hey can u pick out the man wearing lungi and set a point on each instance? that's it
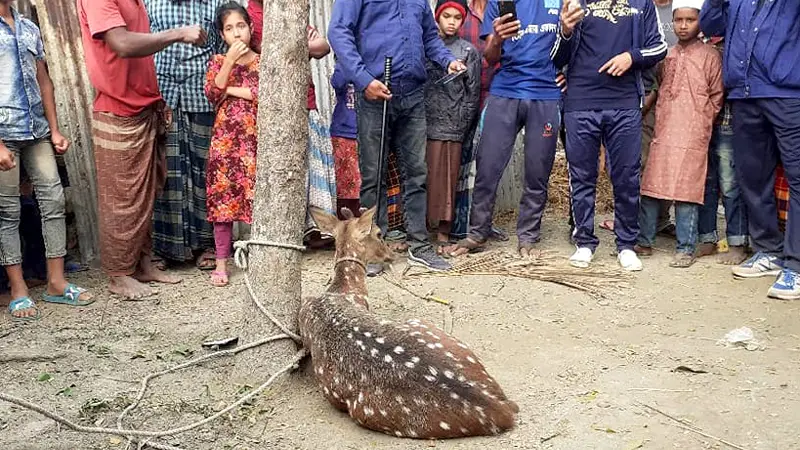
(129, 123)
(180, 229)
(762, 75)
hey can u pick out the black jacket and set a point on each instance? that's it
(452, 108)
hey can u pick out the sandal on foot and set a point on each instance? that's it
(22, 304)
(607, 225)
(206, 261)
(498, 234)
(470, 244)
(219, 278)
(682, 261)
(71, 296)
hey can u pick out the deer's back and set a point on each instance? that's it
(407, 379)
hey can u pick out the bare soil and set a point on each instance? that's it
(579, 368)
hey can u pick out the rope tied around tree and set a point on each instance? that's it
(241, 259)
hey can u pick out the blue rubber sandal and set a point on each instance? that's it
(70, 297)
(21, 304)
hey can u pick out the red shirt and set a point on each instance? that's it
(471, 32)
(256, 12)
(125, 86)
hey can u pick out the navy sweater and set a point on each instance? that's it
(610, 27)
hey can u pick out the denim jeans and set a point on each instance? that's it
(406, 136)
(40, 163)
(685, 224)
(721, 180)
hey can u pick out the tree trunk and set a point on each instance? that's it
(279, 209)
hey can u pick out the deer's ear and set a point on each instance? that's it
(346, 213)
(366, 220)
(326, 222)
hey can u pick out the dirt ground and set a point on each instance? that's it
(580, 368)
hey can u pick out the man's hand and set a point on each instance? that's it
(561, 81)
(504, 29)
(169, 116)
(377, 91)
(456, 66)
(194, 35)
(237, 50)
(618, 65)
(60, 143)
(7, 161)
(570, 17)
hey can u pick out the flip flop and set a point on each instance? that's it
(21, 304)
(206, 261)
(71, 297)
(472, 245)
(498, 234)
(219, 279)
(607, 225)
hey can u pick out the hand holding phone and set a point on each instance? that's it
(506, 24)
(507, 7)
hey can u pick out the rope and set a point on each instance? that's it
(240, 258)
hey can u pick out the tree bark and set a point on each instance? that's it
(279, 209)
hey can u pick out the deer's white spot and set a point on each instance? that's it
(399, 399)
(454, 396)
(336, 396)
(406, 410)
(336, 380)
(480, 419)
(374, 352)
(326, 390)
(384, 322)
(361, 396)
(415, 333)
(449, 374)
(387, 358)
(398, 434)
(383, 412)
(431, 346)
(355, 329)
(471, 359)
(380, 340)
(486, 393)
(438, 345)
(451, 356)
(462, 378)
(463, 345)
(433, 370)
(421, 341)
(368, 412)
(444, 425)
(399, 350)
(415, 359)
(430, 378)
(420, 402)
(409, 364)
(350, 336)
(412, 433)
(363, 377)
(463, 430)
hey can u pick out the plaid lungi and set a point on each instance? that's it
(394, 192)
(782, 196)
(131, 169)
(321, 181)
(179, 217)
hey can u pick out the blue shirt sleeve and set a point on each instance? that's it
(654, 48)
(714, 17)
(487, 27)
(342, 37)
(435, 49)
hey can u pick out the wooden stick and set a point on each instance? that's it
(687, 426)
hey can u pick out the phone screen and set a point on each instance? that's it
(508, 7)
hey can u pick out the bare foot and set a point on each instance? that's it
(733, 257)
(156, 276)
(129, 288)
(527, 250)
(707, 249)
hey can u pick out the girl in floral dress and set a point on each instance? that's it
(232, 86)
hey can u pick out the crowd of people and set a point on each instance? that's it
(693, 101)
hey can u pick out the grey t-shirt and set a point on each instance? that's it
(665, 17)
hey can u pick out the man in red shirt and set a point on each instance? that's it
(129, 122)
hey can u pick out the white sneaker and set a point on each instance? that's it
(581, 258)
(629, 261)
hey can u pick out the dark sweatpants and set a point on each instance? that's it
(503, 120)
(767, 131)
(621, 132)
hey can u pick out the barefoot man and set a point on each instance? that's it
(129, 125)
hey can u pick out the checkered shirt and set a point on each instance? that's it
(181, 68)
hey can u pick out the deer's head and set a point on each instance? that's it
(355, 237)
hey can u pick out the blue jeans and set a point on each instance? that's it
(685, 224)
(721, 180)
(406, 135)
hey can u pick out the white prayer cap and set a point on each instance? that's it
(696, 4)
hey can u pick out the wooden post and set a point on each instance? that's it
(279, 209)
(58, 21)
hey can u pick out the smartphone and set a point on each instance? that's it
(508, 7)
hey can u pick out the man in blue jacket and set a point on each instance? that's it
(606, 45)
(761, 68)
(362, 33)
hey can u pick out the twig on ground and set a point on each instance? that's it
(31, 357)
(549, 438)
(8, 332)
(683, 424)
(659, 390)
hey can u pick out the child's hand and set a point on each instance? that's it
(7, 161)
(377, 91)
(618, 65)
(504, 29)
(60, 143)
(237, 50)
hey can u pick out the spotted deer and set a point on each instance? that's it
(404, 379)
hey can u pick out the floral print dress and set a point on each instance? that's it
(231, 167)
